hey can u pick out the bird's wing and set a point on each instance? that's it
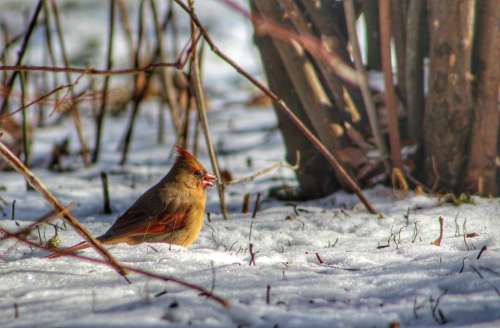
(141, 219)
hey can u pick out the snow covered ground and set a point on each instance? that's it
(323, 263)
(328, 263)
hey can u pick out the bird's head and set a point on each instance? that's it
(192, 170)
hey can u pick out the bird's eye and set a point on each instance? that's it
(198, 174)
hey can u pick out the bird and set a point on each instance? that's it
(171, 211)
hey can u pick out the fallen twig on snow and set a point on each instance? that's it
(252, 255)
(438, 241)
(320, 260)
(483, 249)
(437, 313)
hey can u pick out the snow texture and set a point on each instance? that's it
(328, 263)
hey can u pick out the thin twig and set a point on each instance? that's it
(20, 56)
(256, 206)
(127, 29)
(139, 90)
(105, 192)
(26, 141)
(3, 55)
(179, 64)
(320, 260)
(435, 308)
(266, 171)
(13, 210)
(74, 108)
(39, 99)
(483, 249)
(363, 81)
(463, 265)
(165, 77)
(88, 70)
(252, 255)
(201, 107)
(246, 202)
(48, 39)
(16, 310)
(9, 41)
(104, 102)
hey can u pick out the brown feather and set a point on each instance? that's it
(171, 211)
(188, 161)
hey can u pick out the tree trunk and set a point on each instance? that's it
(482, 170)
(389, 94)
(399, 10)
(448, 115)
(456, 127)
(370, 10)
(414, 75)
(327, 23)
(316, 177)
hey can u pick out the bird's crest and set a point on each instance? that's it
(186, 159)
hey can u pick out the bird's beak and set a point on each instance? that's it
(209, 180)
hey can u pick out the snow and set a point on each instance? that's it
(352, 281)
(327, 262)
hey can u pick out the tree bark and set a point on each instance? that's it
(327, 23)
(316, 177)
(399, 10)
(482, 168)
(370, 10)
(448, 115)
(414, 75)
(389, 94)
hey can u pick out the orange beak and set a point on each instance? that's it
(208, 180)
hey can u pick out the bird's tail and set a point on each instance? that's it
(71, 249)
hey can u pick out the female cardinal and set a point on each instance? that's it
(170, 212)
